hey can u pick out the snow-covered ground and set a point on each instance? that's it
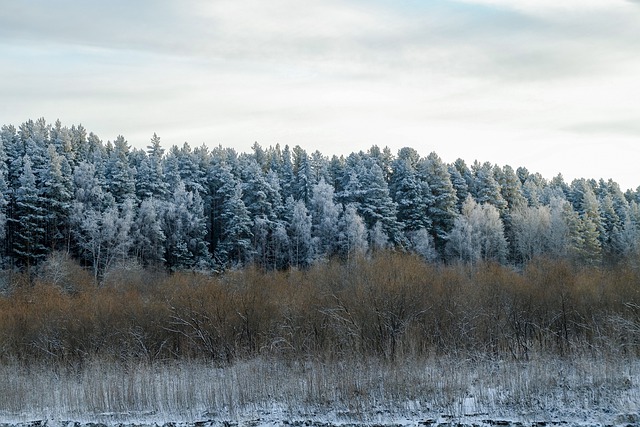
(329, 419)
(438, 392)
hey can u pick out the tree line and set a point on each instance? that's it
(63, 190)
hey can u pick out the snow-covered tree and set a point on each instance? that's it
(235, 225)
(378, 239)
(531, 228)
(299, 232)
(29, 219)
(352, 237)
(184, 226)
(412, 196)
(368, 191)
(442, 209)
(477, 234)
(423, 245)
(150, 180)
(486, 188)
(147, 233)
(325, 214)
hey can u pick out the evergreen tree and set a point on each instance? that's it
(57, 188)
(442, 209)
(303, 176)
(236, 235)
(460, 186)
(368, 191)
(29, 220)
(120, 175)
(486, 189)
(412, 196)
(150, 180)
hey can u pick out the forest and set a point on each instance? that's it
(110, 206)
(193, 281)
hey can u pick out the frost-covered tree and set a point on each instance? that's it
(57, 192)
(510, 187)
(150, 180)
(590, 227)
(303, 178)
(147, 234)
(459, 185)
(531, 228)
(378, 239)
(119, 174)
(103, 236)
(184, 226)
(4, 198)
(352, 236)
(299, 231)
(478, 234)
(486, 189)
(235, 225)
(116, 227)
(442, 209)
(368, 191)
(325, 215)
(412, 196)
(29, 219)
(423, 245)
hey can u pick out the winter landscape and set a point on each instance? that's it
(319, 213)
(147, 287)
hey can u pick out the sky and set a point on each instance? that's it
(550, 85)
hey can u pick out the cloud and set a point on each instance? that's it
(463, 76)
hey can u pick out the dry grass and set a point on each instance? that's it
(365, 389)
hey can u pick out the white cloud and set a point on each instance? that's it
(502, 81)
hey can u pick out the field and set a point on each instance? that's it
(388, 340)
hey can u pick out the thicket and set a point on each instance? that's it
(392, 306)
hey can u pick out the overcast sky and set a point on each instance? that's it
(553, 85)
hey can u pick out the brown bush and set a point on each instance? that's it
(391, 306)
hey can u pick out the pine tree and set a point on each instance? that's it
(29, 220)
(120, 175)
(150, 180)
(303, 176)
(412, 196)
(460, 186)
(368, 191)
(442, 209)
(486, 188)
(4, 199)
(235, 239)
(57, 190)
